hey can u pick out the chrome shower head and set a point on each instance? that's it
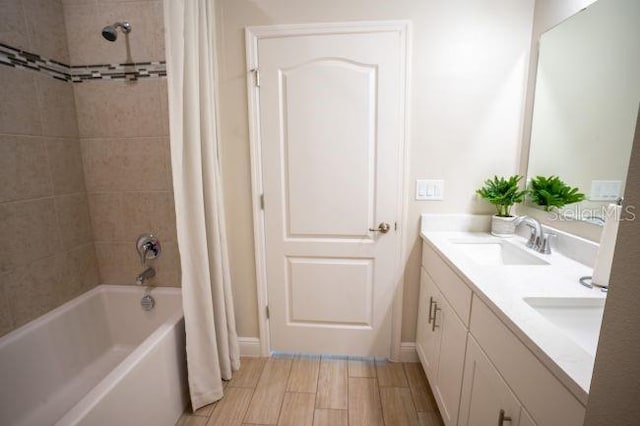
(110, 31)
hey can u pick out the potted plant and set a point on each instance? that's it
(503, 193)
(550, 192)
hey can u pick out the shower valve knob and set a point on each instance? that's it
(148, 247)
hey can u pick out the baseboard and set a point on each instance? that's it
(249, 346)
(408, 352)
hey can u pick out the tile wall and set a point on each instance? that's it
(47, 254)
(124, 132)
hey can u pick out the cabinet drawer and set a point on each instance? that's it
(544, 397)
(452, 287)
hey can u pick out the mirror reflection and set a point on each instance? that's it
(586, 103)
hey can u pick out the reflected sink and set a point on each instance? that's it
(496, 253)
(579, 318)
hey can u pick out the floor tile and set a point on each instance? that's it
(364, 402)
(267, 398)
(231, 409)
(304, 375)
(191, 420)
(420, 391)
(362, 368)
(429, 419)
(391, 374)
(297, 409)
(249, 373)
(329, 417)
(332, 384)
(397, 406)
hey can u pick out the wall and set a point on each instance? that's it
(468, 78)
(615, 386)
(123, 127)
(46, 251)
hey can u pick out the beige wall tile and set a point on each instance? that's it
(364, 402)
(57, 107)
(397, 406)
(119, 263)
(148, 212)
(391, 374)
(249, 373)
(106, 216)
(297, 409)
(231, 409)
(125, 164)
(304, 375)
(144, 43)
(332, 384)
(328, 417)
(23, 168)
(269, 393)
(28, 231)
(21, 115)
(46, 26)
(6, 320)
(32, 290)
(74, 220)
(80, 272)
(65, 163)
(13, 29)
(121, 109)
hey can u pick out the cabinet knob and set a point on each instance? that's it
(502, 418)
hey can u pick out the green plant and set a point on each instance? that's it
(550, 192)
(503, 193)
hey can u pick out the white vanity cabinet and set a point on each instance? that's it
(441, 338)
(486, 398)
(476, 366)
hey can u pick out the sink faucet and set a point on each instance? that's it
(539, 241)
(145, 275)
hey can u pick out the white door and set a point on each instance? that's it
(331, 111)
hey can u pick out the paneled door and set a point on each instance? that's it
(331, 122)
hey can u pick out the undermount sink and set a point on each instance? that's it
(496, 253)
(579, 318)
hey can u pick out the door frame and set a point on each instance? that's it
(252, 35)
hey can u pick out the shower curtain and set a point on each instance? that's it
(212, 342)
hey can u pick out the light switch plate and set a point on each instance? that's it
(430, 189)
(605, 190)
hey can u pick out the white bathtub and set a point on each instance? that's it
(97, 360)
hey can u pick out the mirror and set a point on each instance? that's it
(586, 103)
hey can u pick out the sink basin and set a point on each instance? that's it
(579, 318)
(497, 253)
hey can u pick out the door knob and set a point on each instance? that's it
(383, 227)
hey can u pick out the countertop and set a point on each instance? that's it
(503, 288)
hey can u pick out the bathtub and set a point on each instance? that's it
(99, 359)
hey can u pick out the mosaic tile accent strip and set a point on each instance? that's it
(16, 58)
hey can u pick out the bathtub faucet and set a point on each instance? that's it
(145, 275)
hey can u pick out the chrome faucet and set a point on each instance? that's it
(538, 240)
(145, 275)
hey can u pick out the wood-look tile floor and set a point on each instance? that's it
(319, 391)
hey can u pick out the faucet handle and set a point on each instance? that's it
(546, 243)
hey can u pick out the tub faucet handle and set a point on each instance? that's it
(148, 247)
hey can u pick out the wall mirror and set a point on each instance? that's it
(586, 103)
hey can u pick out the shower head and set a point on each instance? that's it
(110, 31)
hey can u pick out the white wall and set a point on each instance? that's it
(470, 61)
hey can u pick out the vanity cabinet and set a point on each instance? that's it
(441, 343)
(476, 366)
(486, 399)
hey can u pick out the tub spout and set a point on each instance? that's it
(145, 275)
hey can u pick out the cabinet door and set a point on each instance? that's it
(427, 336)
(485, 394)
(453, 343)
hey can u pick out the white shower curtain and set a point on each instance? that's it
(212, 342)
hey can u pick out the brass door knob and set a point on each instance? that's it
(383, 227)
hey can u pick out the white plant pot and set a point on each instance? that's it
(502, 226)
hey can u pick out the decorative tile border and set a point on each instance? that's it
(16, 58)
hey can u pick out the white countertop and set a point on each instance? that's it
(503, 288)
